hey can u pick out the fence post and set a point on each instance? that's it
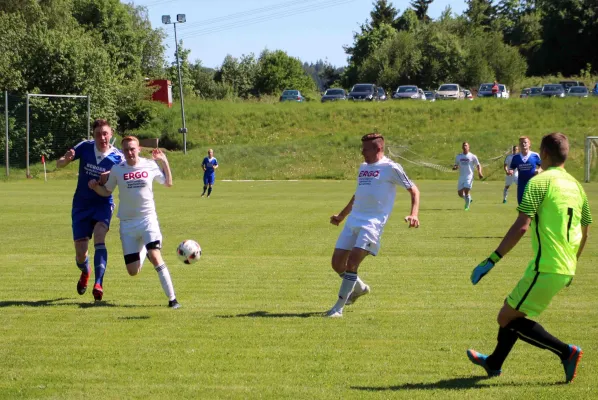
(27, 137)
(6, 132)
(88, 117)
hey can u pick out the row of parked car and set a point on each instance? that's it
(448, 91)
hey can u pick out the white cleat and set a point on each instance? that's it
(334, 313)
(355, 295)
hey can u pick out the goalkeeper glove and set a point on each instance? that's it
(484, 267)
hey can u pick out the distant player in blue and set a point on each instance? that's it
(528, 164)
(91, 212)
(209, 166)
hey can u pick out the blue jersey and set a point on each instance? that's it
(91, 164)
(527, 167)
(209, 164)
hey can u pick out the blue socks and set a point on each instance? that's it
(100, 259)
(84, 266)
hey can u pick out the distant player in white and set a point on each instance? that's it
(139, 226)
(465, 163)
(511, 177)
(368, 212)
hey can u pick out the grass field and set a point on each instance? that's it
(251, 325)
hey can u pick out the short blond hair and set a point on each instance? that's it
(129, 139)
(524, 137)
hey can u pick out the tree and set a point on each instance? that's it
(240, 74)
(279, 71)
(480, 13)
(383, 13)
(421, 9)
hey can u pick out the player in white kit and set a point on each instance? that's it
(465, 163)
(139, 227)
(511, 177)
(368, 211)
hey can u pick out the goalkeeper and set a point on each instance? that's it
(556, 207)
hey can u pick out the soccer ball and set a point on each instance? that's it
(189, 251)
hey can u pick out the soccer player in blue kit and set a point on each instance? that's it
(91, 212)
(209, 166)
(528, 163)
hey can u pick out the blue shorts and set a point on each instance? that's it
(209, 178)
(85, 219)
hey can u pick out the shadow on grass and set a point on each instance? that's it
(134, 318)
(56, 303)
(450, 384)
(266, 314)
(472, 237)
(27, 303)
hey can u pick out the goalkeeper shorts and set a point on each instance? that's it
(535, 291)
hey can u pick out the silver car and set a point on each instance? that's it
(409, 92)
(577, 91)
(450, 91)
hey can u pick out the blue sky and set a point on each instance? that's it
(307, 29)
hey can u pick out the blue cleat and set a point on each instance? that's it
(480, 359)
(570, 364)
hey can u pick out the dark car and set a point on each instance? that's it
(334, 94)
(364, 92)
(577, 91)
(429, 95)
(291, 95)
(595, 90)
(531, 92)
(553, 90)
(569, 84)
(381, 94)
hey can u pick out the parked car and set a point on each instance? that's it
(467, 94)
(595, 90)
(430, 95)
(553, 90)
(569, 84)
(450, 91)
(531, 92)
(291, 95)
(334, 94)
(364, 92)
(485, 90)
(577, 91)
(409, 92)
(381, 94)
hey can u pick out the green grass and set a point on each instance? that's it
(321, 141)
(249, 326)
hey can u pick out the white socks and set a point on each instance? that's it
(504, 194)
(165, 281)
(347, 286)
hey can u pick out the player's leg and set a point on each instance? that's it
(102, 216)
(211, 180)
(339, 265)
(82, 227)
(205, 184)
(132, 246)
(467, 196)
(505, 193)
(153, 239)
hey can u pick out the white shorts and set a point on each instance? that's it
(465, 183)
(365, 236)
(509, 180)
(136, 233)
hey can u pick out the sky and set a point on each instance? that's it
(310, 30)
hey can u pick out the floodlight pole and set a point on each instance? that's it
(183, 130)
(6, 132)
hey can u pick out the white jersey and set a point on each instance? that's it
(467, 163)
(508, 160)
(376, 190)
(135, 194)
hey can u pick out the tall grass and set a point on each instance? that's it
(255, 140)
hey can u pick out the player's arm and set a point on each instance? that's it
(508, 170)
(338, 218)
(215, 165)
(586, 220)
(161, 159)
(101, 190)
(480, 174)
(66, 159)
(584, 238)
(413, 217)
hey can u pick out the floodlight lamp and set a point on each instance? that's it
(166, 19)
(180, 18)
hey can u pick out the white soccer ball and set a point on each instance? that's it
(189, 251)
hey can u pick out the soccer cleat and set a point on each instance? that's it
(203, 195)
(570, 364)
(98, 292)
(480, 359)
(354, 296)
(504, 201)
(466, 208)
(334, 313)
(174, 304)
(82, 283)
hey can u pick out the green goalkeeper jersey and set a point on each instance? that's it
(558, 206)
